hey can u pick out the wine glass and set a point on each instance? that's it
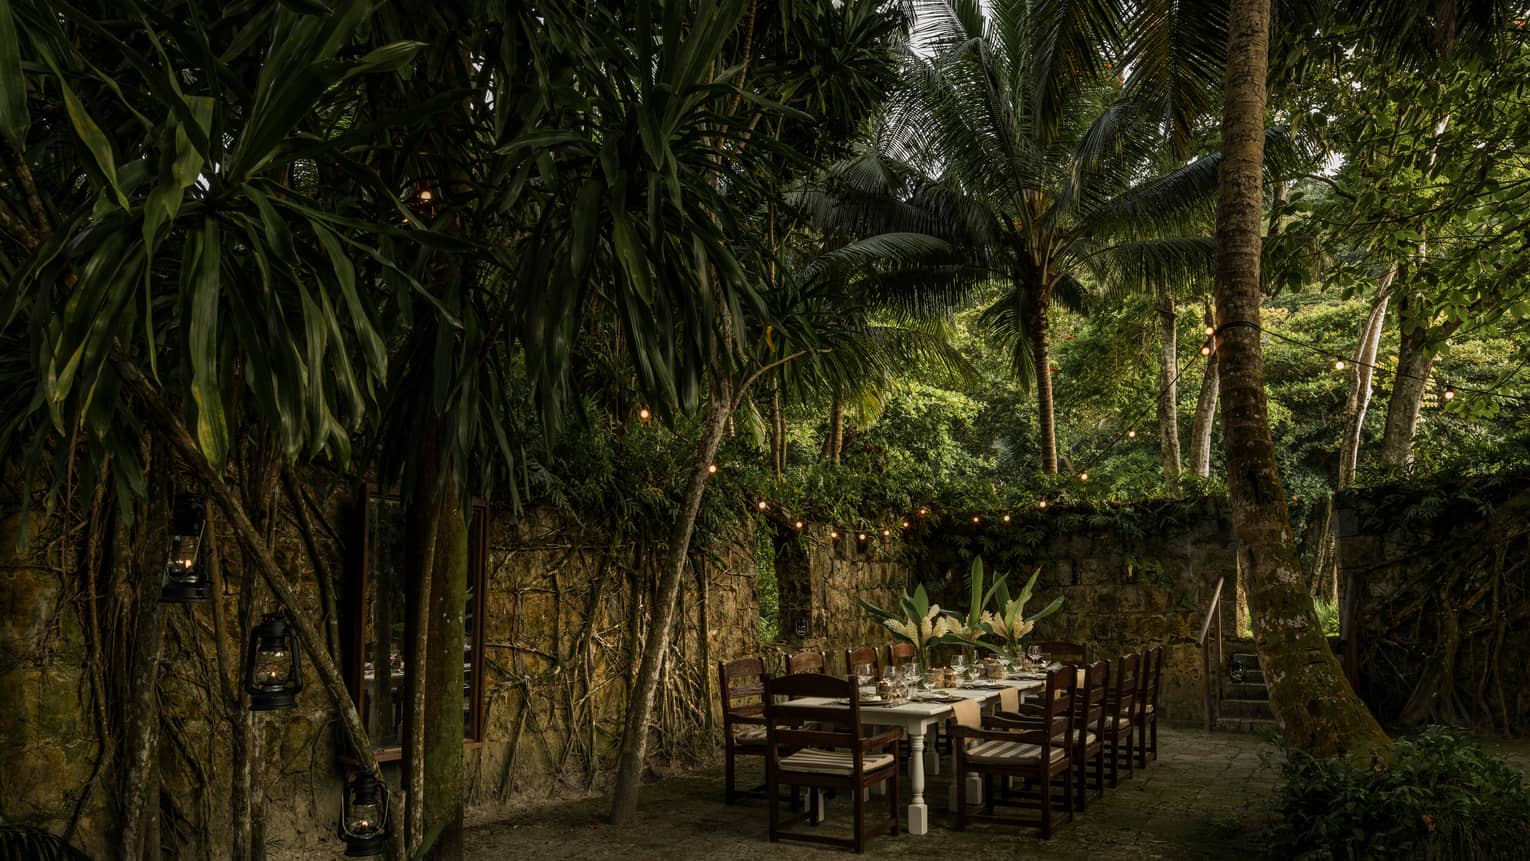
(863, 674)
(959, 664)
(1033, 652)
(1005, 663)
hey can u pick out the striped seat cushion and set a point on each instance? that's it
(831, 762)
(749, 735)
(1011, 753)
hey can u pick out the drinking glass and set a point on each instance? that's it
(1005, 663)
(1033, 652)
(863, 674)
(959, 664)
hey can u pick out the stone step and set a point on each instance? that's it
(1257, 709)
(1247, 690)
(1255, 726)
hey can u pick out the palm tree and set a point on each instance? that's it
(1040, 165)
(1311, 697)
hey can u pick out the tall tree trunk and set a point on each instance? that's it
(445, 720)
(1168, 389)
(1039, 297)
(1415, 358)
(777, 430)
(1360, 384)
(1309, 693)
(834, 441)
(140, 787)
(423, 516)
(1205, 420)
(661, 618)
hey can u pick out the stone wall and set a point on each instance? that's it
(1129, 580)
(1435, 581)
(823, 579)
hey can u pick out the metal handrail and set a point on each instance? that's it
(1216, 603)
(1211, 668)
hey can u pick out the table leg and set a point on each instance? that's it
(918, 813)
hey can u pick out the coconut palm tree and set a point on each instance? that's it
(1043, 167)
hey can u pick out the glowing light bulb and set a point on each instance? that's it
(834, 533)
(426, 196)
(923, 512)
(976, 519)
(1338, 365)
(905, 524)
(1083, 476)
(798, 524)
(644, 414)
(1206, 350)
(712, 468)
(1210, 330)
(1006, 518)
(887, 533)
(1131, 433)
(761, 505)
(1450, 393)
(1042, 504)
(862, 536)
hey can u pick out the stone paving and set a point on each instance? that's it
(1205, 797)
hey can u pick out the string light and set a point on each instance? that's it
(833, 533)
(644, 414)
(1083, 476)
(923, 512)
(711, 469)
(1132, 433)
(426, 196)
(1042, 505)
(905, 524)
(1450, 393)
(1006, 518)
(762, 505)
(1205, 349)
(1338, 365)
(798, 524)
(976, 519)
(862, 536)
(887, 533)
(1210, 330)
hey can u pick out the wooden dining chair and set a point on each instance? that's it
(833, 751)
(1035, 751)
(741, 684)
(864, 655)
(1147, 705)
(807, 662)
(901, 654)
(1062, 652)
(1089, 734)
(1120, 709)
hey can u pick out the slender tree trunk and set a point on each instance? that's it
(1360, 385)
(1040, 298)
(629, 771)
(1415, 358)
(777, 430)
(423, 515)
(140, 788)
(1168, 389)
(1205, 420)
(834, 442)
(445, 723)
(1309, 693)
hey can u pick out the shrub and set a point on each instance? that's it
(1441, 796)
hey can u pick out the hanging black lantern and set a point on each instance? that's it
(364, 816)
(185, 578)
(274, 675)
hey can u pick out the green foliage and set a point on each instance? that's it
(1328, 616)
(768, 586)
(1441, 796)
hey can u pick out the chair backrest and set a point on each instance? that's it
(1093, 692)
(741, 685)
(899, 654)
(790, 723)
(1152, 674)
(1123, 694)
(864, 655)
(807, 662)
(1063, 652)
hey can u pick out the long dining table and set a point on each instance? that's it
(915, 717)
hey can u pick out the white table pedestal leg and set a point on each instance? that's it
(974, 792)
(918, 813)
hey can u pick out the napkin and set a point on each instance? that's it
(968, 713)
(1009, 699)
